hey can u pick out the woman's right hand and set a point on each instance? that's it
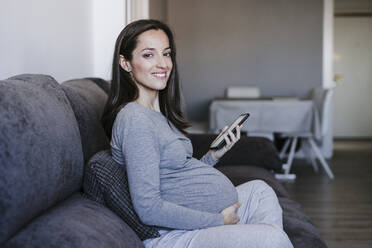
(229, 214)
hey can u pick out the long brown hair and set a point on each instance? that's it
(124, 90)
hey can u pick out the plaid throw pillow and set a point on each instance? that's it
(106, 182)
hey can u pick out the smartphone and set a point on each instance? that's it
(219, 142)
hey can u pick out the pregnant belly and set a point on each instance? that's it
(203, 188)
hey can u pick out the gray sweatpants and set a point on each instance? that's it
(260, 225)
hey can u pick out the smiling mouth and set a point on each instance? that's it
(160, 75)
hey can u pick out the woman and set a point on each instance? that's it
(193, 204)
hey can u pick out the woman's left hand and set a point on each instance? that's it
(230, 140)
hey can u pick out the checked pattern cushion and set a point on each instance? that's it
(105, 182)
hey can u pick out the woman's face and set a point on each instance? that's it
(151, 62)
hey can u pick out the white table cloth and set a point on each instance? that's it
(266, 116)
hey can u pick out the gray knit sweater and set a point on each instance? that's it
(169, 188)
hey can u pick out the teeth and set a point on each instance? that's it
(159, 74)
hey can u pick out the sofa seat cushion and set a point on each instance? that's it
(240, 174)
(76, 222)
(106, 182)
(298, 226)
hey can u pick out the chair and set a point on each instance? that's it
(322, 100)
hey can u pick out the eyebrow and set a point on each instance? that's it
(153, 49)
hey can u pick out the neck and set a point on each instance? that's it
(149, 99)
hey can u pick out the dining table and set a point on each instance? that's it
(267, 115)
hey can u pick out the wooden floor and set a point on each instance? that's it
(340, 208)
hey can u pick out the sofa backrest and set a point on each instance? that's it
(88, 98)
(41, 161)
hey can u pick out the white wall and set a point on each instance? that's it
(139, 9)
(65, 39)
(327, 75)
(48, 37)
(109, 18)
(328, 44)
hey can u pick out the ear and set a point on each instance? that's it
(125, 64)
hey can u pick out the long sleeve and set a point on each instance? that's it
(142, 154)
(208, 159)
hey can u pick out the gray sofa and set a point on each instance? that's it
(48, 131)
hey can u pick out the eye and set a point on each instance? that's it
(168, 54)
(147, 55)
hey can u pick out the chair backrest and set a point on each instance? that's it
(243, 92)
(322, 99)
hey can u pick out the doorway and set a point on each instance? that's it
(353, 73)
